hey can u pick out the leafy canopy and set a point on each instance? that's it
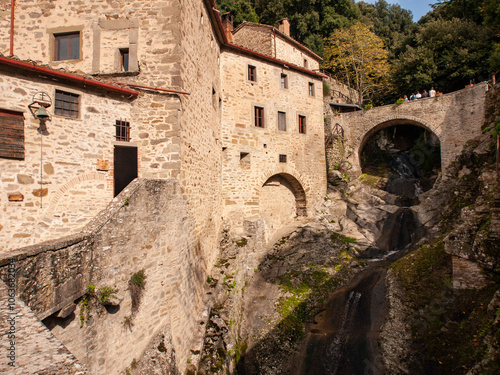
(358, 58)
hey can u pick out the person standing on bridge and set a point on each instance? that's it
(418, 96)
(432, 93)
(425, 94)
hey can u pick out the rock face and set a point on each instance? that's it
(445, 294)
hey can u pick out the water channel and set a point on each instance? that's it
(344, 337)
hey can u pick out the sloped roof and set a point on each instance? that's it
(55, 73)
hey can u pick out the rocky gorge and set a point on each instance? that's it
(376, 283)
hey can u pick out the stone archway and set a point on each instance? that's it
(402, 157)
(281, 198)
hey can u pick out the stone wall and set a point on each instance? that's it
(74, 189)
(28, 338)
(147, 227)
(293, 54)
(454, 118)
(255, 37)
(251, 154)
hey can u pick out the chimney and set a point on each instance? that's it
(227, 25)
(284, 26)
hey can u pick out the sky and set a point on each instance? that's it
(417, 7)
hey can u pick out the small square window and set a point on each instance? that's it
(67, 46)
(245, 159)
(282, 121)
(302, 124)
(252, 73)
(122, 131)
(284, 81)
(259, 117)
(66, 104)
(282, 158)
(124, 58)
(311, 89)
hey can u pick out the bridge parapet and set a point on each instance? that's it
(454, 118)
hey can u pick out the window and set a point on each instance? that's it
(282, 121)
(311, 89)
(124, 58)
(302, 124)
(252, 73)
(259, 117)
(305, 63)
(245, 159)
(122, 130)
(282, 158)
(11, 135)
(284, 81)
(66, 104)
(67, 46)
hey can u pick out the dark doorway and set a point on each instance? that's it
(125, 168)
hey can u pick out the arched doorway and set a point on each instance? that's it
(281, 198)
(402, 157)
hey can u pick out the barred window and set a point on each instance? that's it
(282, 158)
(66, 104)
(122, 130)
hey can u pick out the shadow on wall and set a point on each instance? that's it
(282, 198)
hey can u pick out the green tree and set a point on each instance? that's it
(448, 55)
(243, 10)
(390, 22)
(357, 57)
(311, 20)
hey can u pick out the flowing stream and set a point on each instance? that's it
(343, 338)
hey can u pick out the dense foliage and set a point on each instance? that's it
(455, 44)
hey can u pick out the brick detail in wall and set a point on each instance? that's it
(11, 135)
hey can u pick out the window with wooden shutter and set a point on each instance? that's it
(259, 116)
(11, 135)
(302, 124)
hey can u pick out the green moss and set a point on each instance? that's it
(425, 273)
(370, 180)
(448, 326)
(242, 242)
(337, 237)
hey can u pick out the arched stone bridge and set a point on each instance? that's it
(454, 118)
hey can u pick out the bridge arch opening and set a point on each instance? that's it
(281, 198)
(402, 157)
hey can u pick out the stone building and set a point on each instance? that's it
(163, 91)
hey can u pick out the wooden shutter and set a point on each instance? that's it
(11, 135)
